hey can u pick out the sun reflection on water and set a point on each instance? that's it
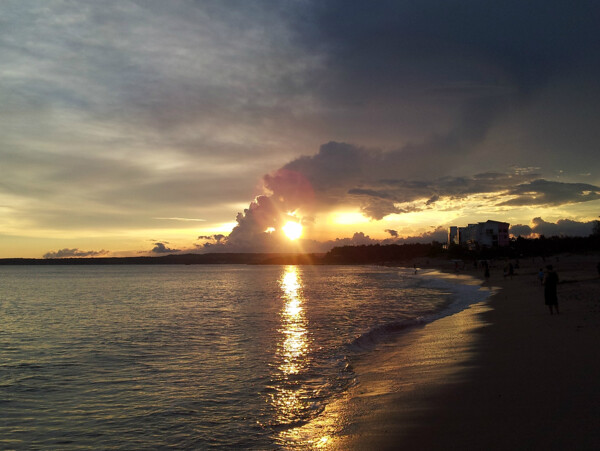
(295, 398)
(295, 346)
(290, 398)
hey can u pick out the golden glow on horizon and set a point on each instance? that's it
(21, 237)
(225, 227)
(292, 229)
(347, 218)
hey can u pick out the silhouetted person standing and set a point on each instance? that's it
(550, 284)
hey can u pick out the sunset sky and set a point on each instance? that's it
(153, 127)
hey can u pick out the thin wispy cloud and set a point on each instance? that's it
(183, 219)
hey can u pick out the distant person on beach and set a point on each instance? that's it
(487, 270)
(550, 284)
(541, 276)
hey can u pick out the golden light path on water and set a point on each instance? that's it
(294, 324)
(293, 348)
(290, 400)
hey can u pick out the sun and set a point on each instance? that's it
(292, 230)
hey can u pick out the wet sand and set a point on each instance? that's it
(504, 374)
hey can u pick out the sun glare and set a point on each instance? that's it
(292, 230)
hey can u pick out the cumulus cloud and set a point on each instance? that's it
(562, 227)
(393, 233)
(439, 234)
(358, 239)
(217, 237)
(379, 184)
(521, 230)
(161, 248)
(70, 253)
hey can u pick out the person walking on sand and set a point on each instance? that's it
(541, 276)
(550, 284)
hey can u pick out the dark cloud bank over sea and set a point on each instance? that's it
(342, 174)
(473, 86)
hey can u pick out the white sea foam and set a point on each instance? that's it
(459, 291)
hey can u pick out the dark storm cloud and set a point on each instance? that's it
(343, 174)
(449, 72)
(544, 192)
(562, 227)
(66, 253)
(379, 181)
(392, 46)
(446, 74)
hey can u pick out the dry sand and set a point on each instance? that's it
(504, 374)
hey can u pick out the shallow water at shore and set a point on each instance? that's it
(194, 356)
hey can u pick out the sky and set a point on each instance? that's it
(152, 127)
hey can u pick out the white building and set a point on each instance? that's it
(482, 234)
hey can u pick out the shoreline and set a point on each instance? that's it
(508, 375)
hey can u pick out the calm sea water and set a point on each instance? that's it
(130, 357)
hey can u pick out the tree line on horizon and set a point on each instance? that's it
(362, 254)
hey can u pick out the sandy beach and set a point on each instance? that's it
(503, 374)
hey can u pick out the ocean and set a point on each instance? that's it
(195, 357)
